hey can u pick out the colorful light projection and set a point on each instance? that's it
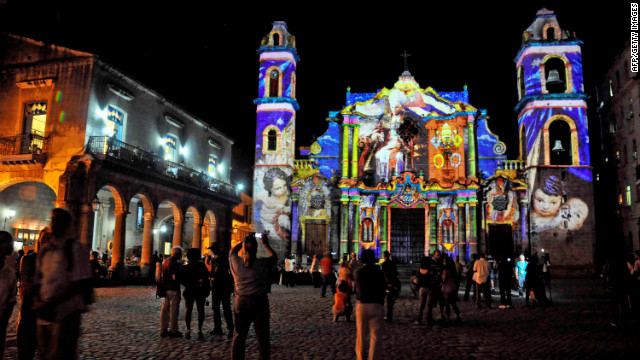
(272, 205)
(502, 204)
(397, 132)
(536, 121)
(552, 213)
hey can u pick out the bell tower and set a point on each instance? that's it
(275, 137)
(554, 144)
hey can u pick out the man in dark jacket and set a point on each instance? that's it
(371, 290)
(221, 288)
(393, 283)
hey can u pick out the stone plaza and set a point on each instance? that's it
(123, 324)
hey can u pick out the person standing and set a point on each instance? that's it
(393, 283)
(505, 279)
(171, 305)
(371, 288)
(221, 289)
(252, 283)
(458, 267)
(470, 283)
(63, 283)
(521, 274)
(450, 288)
(290, 271)
(195, 278)
(482, 271)
(26, 332)
(328, 278)
(8, 284)
(426, 283)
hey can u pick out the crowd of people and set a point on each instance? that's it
(621, 281)
(56, 284)
(55, 288)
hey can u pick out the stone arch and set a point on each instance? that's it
(555, 32)
(16, 180)
(575, 155)
(210, 223)
(567, 73)
(30, 201)
(277, 86)
(196, 241)
(118, 198)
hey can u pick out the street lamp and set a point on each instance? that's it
(10, 214)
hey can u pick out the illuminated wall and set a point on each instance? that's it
(275, 139)
(554, 133)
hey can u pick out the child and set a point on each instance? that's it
(342, 304)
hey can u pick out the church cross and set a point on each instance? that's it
(405, 56)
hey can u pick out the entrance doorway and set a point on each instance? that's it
(315, 236)
(500, 241)
(407, 235)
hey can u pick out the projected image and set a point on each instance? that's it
(393, 137)
(272, 211)
(551, 213)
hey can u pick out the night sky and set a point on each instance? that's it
(203, 57)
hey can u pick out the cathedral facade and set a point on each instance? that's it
(411, 169)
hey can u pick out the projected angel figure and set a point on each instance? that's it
(550, 212)
(273, 208)
(393, 151)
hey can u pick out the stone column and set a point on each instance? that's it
(345, 149)
(433, 228)
(354, 151)
(356, 225)
(462, 232)
(197, 234)
(177, 232)
(95, 242)
(104, 222)
(117, 256)
(344, 228)
(294, 228)
(86, 225)
(147, 245)
(524, 221)
(473, 230)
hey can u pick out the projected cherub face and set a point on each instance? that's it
(546, 205)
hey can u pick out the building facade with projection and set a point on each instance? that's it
(139, 173)
(411, 169)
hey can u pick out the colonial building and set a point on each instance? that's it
(618, 106)
(411, 169)
(138, 172)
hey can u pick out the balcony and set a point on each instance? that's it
(104, 148)
(517, 165)
(23, 149)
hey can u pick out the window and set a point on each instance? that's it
(171, 148)
(213, 163)
(276, 39)
(272, 140)
(551, 33)
(274, 83)
(523, 144)
(115, 121)
(521, 82)
(628, 195)
(555, 75)
(140, 218)
(560, 145)
(34, 122)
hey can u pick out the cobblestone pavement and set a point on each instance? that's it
(123, 324)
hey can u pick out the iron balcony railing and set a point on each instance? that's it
(142, 159)
(34, 144)
(511, 165)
